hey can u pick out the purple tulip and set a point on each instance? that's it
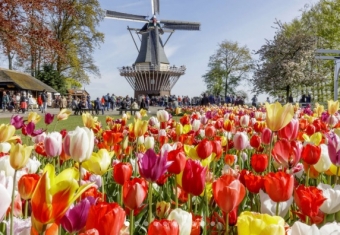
(75, 218)
(30, 130)
(334, 148)
(49, 118)
(17, 121)
(151, 166)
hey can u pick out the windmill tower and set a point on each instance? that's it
(151, 74)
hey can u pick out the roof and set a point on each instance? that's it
(77, 92)
(147, 51)
(23, 80)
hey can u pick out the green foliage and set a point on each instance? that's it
(52, 78)
(227, 67)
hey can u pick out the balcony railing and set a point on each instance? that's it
(167, 68)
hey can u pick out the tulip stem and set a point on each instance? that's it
(103, 189)
(189, 202)
(336, 176)
(277, 208)
(26, 209)
(150, 203)
(121, 195)
(79, 173)
(270, 152)
(12, 205)
(176, 195)
(307, 177)
(227, 224)
(206, 213)
(131, 222)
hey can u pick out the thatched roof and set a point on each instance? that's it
(22, 81)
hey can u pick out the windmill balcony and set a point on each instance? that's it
(144, 68)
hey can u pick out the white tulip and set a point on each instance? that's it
(195, 125)
(202, 133)
(5, 166)
(6, 187)
(32, 165)
(21, 226)
(268, 206)
(244, 120)
(162, 115)
(330, 229)
(332, 204)
(184, 220)
(5, 147)
(149, 142)
(140, 140)
(324, 162)
(300, 228)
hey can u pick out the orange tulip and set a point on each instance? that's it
(279, 186)
(27, 184)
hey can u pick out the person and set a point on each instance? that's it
(40, 102)
(30, 102)
(308, 98)
(123, 106)
(63, 103)
(113, 102)
(254, 101)
(303, 98)
(5, 101)
(23, 103)
(290, 99)
(107, 100)
(205, 100)
(98, 106)
(142, 104)
(44, 101)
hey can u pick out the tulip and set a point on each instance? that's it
(27, 184)
(210, 131)
(33, 117)
(300, 228)
(324, 162)
(134, 193)
(99, 162)
(53, 144)
(266, 136)
(6, 132)
(54, 195)
(309, 200)
(250, 223)
(241, 141)
(63, 114)
(30, 130)
(112, 138)
(5, 200)
(255, 141)
(311, 154)
(333, 107)
(287, 153)
(332, 204)
(178, 159)
(204, 149)
(244, 121)
(332, 121)
(290, 131)
(193, 178)
(5, 147)
(278, 116)
(81, 136)
(184, 220)
(106, 218)
(228, 187)
(88, 120)
(75, 218)
(140, 140)
(162, 116)
(162, 209)
(334, 148)
(151, 166)
(268, 206)
(17, 121)
(49, 118)
(140, 127)
(279, 186)
(19, 155)
(217, 148)
(21, 226)
(149, 142)
(253, 182)
(163, 227)
(259, 162)
(122, 172)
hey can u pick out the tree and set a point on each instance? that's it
(227, 67)
(52, 78)
(287, 61)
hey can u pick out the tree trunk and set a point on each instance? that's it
(226, 87)
(287, 93)
(10, 61)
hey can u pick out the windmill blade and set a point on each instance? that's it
(180, 25)
(155, 6)
(125, 16)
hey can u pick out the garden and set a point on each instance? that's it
(191, 170)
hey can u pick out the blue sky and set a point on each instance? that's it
(248, 22)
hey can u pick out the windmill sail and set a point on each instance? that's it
(125, 16)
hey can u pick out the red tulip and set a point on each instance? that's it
(253, 182)
(311, 154)
(290, 131)
(310, 130)
(178, 161)
(259, 126)
(163, 227)
(134, 193)
(255, 141)
(193, 179)
(228, 187)
(266, 136)
(287, 153)
(107, 218)
(279, 186)
(204, 149)
(196, 225)
(259, 162)
(210, 131)
(27, 184)
(309, 200)
(217, 148)
(122, 172)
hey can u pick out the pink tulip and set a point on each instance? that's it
(241, 140)
(266, 136)
(244, 121)
(287, 153)
(290, 131)
(53, 144)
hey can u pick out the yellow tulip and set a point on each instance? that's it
(88, 120)
(162, 209)
(143, 112)
(314, 139)
(333, 169)
(187, 128)
(178, 110)
(179, 129)
(319, 109)
(140, 127)
(278, 116)
(6, 132)
(19, 155)
(33, 117)
(53, 196)
(99, 162)
(250, 223)
(333, 107)
(63, 114)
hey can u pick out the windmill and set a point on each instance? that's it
(151, 74)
